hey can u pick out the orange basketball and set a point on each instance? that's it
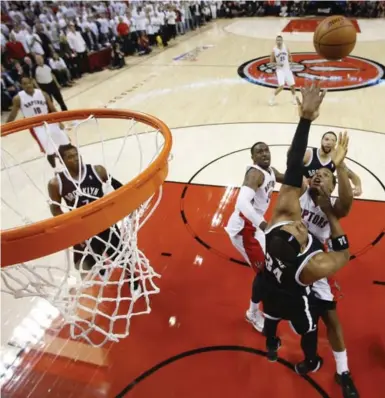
(335, 37)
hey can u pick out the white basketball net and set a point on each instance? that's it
(98, 303)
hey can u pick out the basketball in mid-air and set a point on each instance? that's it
(335, 37)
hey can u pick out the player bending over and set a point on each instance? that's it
(246, 224)
(281, 58)
(294, 258)
(323, 157)
(78, 185)
(32, 102)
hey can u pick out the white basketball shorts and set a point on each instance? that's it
(50, 137)
(285, 76)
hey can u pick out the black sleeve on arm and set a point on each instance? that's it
(293, 175)
(115, 183)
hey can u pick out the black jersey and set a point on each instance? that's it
(284, 280)
(77, 193)
(315, 163)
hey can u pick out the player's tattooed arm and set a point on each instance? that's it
(15, 109)
(54, 195)
(102, 172)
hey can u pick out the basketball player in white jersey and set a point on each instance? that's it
(323, 184)
(31, 102)
(246, 224)
(316, 158)
(281, 59)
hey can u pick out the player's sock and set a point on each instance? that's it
(341, 359)
(293, 175)
(254, 307)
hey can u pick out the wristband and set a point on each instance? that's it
(340, 243)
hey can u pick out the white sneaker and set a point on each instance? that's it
(256, 319)
(272, 101)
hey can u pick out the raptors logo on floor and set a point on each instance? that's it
(351, 73)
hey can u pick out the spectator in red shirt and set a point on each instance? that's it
(123, 32)
(15, 49)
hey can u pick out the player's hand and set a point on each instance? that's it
(312, 97)
(339, 153)
(357, 191)
(61, 125)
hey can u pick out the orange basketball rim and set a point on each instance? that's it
(49, 236)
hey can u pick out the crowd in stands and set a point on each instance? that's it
(64, 33)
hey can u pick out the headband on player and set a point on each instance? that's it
(283, 246)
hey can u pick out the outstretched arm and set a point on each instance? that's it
(287, 206)
(344, 201)
(253, 180)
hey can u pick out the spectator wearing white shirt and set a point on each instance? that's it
(104, 29)
(150, 29)
(47, 81)
(78, 45)
(171, 22)
(141, 21)
(60, 70)
(35, 44)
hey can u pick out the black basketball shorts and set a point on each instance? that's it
(300, 312)
(106, 245)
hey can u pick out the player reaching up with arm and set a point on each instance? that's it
(294, 259)
(246, 224)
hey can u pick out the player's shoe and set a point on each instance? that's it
(272, 101)
(305, 367)
(345, 380)
(256, 319)
(272, 349)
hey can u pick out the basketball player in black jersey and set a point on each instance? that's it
(294, 258)
(317, 158)
(78, 185)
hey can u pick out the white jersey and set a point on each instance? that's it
(261, 201)
(315, 219)
(32, 105)
(282, 57)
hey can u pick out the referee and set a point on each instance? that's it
(47, 81)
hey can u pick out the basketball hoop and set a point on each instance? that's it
(85, 303)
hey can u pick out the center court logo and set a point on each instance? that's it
(351, 73)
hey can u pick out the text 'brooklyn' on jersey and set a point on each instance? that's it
(260, 202)
(77, 193)
(315, 163)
